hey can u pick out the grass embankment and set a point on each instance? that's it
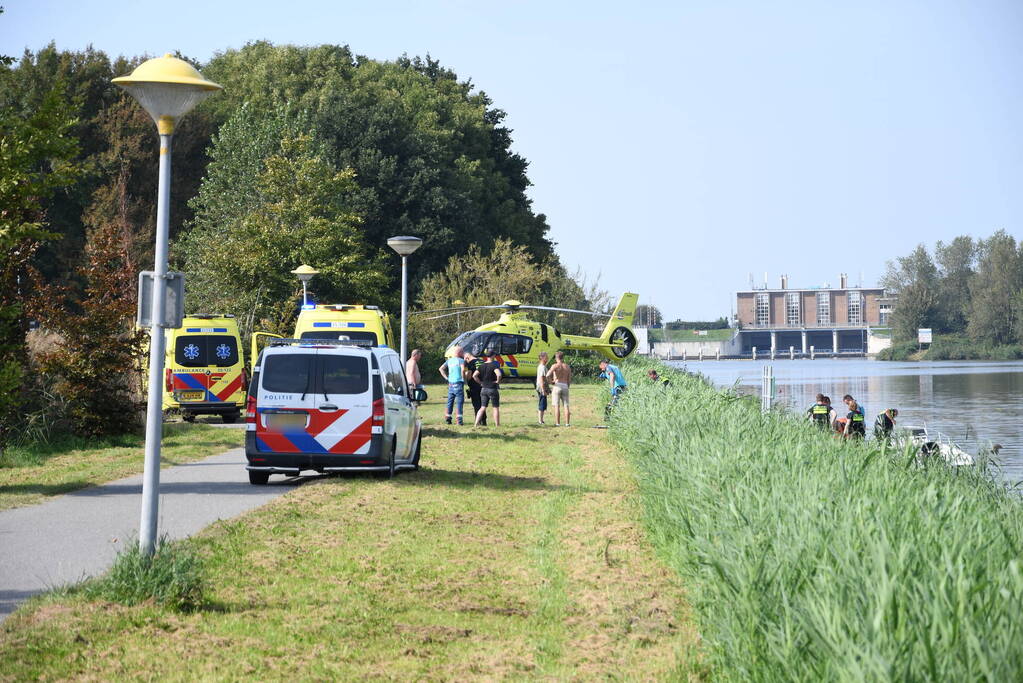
(666, 335)
(29, 474)
(949, 347)
(808, 558)
(515, 552)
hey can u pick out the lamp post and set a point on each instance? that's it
(404, 245)
(167, 88)
(458, 315)
(305, 274)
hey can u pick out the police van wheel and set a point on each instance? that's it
(259, 478)
(230, 418)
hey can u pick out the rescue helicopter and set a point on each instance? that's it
(518, 341)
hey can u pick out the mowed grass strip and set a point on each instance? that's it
(30, 474)
(516, 552)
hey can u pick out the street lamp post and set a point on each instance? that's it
(167, 88)
(404, 245)
(305, 274)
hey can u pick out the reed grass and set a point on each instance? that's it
(809, 558)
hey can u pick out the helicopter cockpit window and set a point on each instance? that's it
(461, 339)
(477, 342)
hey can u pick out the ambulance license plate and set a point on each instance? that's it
(191, 395)
(285, 420)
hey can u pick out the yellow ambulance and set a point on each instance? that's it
(205, 372)
(337, 321)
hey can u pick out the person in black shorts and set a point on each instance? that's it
(489, 377)
(472, 385)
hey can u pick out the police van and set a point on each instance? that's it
(204, 371)
(337, 321)
(330, 405)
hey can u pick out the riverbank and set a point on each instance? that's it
(810, 558)
(951, 348)
(516, 552)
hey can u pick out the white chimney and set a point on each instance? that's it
(843, 281)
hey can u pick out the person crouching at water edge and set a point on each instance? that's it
(616, 382)
(489, 377)
(855, 427)
(453, 371)
(885, 424)
(820, 413)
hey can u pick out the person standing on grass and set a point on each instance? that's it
(489, 377)
(542, 387)
(453, 371)
(472, 386)
(561, 377)
(616, 382)
(855, 428)
(412, 374)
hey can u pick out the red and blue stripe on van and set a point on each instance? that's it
(349, 433)
(216, 386)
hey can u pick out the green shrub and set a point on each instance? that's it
(172, 576)
(810, 558)
(898, 351)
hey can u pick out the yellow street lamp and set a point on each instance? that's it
(458, 314)
(167, 88)
(305, 274)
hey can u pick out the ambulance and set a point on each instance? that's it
(340, 322)
(205, 373)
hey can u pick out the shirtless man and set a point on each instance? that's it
(560, 375)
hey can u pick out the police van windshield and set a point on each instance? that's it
(341, 334)
(202, 351)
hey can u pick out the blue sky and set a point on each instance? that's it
(676, 147)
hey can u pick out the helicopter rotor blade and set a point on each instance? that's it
(567, 310)
(445, 315)
(457, 309)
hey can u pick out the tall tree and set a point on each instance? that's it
(295, 212)
(430, 154)
(914, 280)
(995, 290)
(955, 262)
(36, 160)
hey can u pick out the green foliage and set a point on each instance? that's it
(430, 155)
(899, 351)
(36, 154)
(914, 280)
(995, 290)
(262, 217)
(173, 576)
(719, 324)
(810, 558)
(95, 362)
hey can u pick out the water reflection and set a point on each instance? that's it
(975, 403)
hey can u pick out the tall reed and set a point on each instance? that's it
(809, 558)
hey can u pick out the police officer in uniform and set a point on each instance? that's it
(820, 413)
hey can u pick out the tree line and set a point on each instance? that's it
(971, 287)
(310, 155)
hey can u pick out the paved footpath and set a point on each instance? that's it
(78, 534)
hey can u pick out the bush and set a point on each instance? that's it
(173, 577)
(810, 558)
(898, 351)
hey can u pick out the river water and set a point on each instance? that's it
(975, 403)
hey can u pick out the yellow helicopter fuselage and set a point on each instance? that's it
(517, 341)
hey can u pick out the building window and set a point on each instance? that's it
(792, 312)
(855, 307)
(884, 310)
(762, 316)
(823, 308)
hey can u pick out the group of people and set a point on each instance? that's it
(479, 378)
(853, 425)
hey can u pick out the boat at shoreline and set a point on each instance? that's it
(930, 443)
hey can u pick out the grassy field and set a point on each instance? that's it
(29, 474)
(814, 559)
(516, 552)
(659, 335)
